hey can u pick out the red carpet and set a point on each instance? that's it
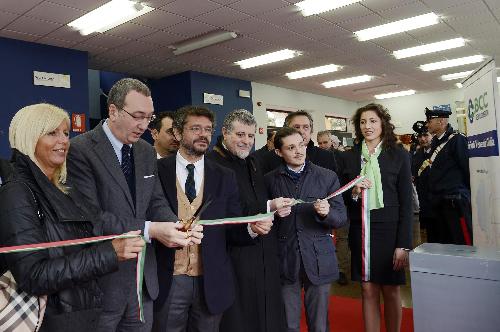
(345, 316)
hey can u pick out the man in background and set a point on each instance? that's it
(449, 180)
(5, 170)
(303, 122)
(165, 143)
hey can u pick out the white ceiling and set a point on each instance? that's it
(140, 47)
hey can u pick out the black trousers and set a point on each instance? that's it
(453, 220)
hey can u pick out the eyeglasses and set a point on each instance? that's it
(198, 130)
(141, 118)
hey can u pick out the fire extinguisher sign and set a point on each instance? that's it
(78, 123)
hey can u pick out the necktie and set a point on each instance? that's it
(190, 188)
(127, 167)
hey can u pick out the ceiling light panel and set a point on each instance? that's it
(456, 76)
(392, 28)
(311, 7)
(209, 39)
(108, 16)
(429, 48)
(395, 94)
(347, 81)
(452, 63)
(267, 58)
(313, 71)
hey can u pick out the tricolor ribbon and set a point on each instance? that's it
(67, 243)
(237, 220)
(339, 191)
(365, 236)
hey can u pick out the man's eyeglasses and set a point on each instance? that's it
(198, 130)
(141, 118)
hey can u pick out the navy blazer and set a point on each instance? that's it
(221, 187)
(304, 235)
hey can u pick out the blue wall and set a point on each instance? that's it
(18, 60)
(227, 87)
(172, 92)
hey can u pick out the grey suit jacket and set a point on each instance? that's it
(95, 170)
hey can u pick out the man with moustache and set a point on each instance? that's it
(258, 306)
(197, 282)
(116, 172)
(165, 143)
(303, 122)
(306, 250)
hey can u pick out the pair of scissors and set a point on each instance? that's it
(189, 222)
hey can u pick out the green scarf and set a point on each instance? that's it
(371, 170)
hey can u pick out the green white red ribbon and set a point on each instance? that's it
(365, 236)
(236, 220)
(339, 191)
(66, 243)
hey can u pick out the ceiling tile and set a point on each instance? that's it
(6, 18)
(222, 16)
(158, 19)
(256, 7)
(249, 26)
(105, 41)
(55, 13)
(157, 3)
(282, 15)
(192, 28)
(33, 26)
(131, 31)
(250, 45)
(68, 34)
(162, 38)
(190, 8)
(329, 30)
(346, 13)
(56, 42)
(18, 35)
(304, 24)
(404, 10)
(380, 5)
(18, 7)
(86, 5)
(362, 22)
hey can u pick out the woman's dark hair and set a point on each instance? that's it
(388, 137)
(282, 133)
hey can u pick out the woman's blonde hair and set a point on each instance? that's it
(32, 122)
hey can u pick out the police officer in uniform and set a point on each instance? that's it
(449, 181)
(421, 179)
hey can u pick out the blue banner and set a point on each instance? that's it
(483, 145)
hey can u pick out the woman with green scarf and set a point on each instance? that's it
(380, 241)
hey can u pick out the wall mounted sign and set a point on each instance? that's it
(51, 79)
(78, 123)
(209, 98)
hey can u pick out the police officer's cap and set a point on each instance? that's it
(437, 113)
(420, 128)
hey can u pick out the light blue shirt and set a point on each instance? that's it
(117, 147)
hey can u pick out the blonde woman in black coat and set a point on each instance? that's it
(36, 206)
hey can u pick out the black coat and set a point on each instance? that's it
(304, 236)
(218, 279)
(5, 170)
(422, 183)
(67, 275)
(449, 174)
(320, 157)
(258, 306)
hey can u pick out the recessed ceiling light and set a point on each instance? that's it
(313, 71)
(395, 94)
(109, 15)
(498, 79)
(429, 48)
(392, 28)
(267, 58)
(459, 85)
(311, 7)
(455, 76)
(452, 63)
(347, 81)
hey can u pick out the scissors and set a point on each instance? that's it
(189, 222)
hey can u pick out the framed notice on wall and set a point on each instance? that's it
(335, 123)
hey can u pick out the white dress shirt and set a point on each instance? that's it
(182, 172)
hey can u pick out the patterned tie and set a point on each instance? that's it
(127, 167)
(190, 188)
